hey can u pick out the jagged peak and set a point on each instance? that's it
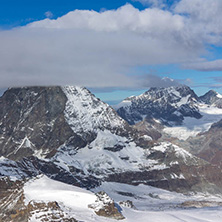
(170, 88)
(210, 92)
(211, 97)
(85, 112)
(169, 103)
(168, 93)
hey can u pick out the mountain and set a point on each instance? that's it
(169, 105)
(38, 120)
(212, 98)
(69, 135)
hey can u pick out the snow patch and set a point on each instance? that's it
(219, 96)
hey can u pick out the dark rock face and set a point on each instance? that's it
(32, 167)
(208, 145)
(210, 97)
(9, 192)
(200, 204)
(32, 120)
(36, 120)
(167, 104)
(195, 178)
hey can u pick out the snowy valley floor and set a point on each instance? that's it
(152, 204)
(192, 126)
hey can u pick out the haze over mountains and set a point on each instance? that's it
(167, 138)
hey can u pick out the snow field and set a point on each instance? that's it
(74, 201)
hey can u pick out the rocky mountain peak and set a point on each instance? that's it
(84, 112)
(212, 98)
(38, 120)
(169, 104)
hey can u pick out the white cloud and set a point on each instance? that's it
(126, 18)
(204, 17)
(98, 49)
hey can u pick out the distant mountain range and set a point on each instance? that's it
(169, 105)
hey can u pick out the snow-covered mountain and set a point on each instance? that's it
(69, 135)
(176, 111)
(38, 120)
(170, 105)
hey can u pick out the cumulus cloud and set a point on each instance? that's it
(98, 49)
(151, 21)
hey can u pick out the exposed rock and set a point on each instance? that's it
(105, 206)
(150, 127)
(11, 199)
(128, 204)
(32, 166)
(13, 208)
(208, 145)
(50, 211)
(32, 121)
(200, 204)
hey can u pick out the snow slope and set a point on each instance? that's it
(72, 199)
(86, 113)
(98, 160)
(74, 202)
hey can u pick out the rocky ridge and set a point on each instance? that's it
(212, 98)
(169, 105)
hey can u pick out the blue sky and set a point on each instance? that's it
(115, 52)
(14, 13)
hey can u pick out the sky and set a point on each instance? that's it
(115, 48)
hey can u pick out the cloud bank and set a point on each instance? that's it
(99, 49)
(206, 66)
